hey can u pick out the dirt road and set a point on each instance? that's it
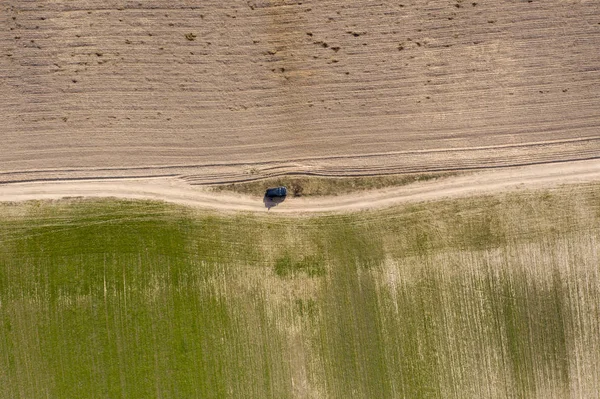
(177, 191)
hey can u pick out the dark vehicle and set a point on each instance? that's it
(276, 192)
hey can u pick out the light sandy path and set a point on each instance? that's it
(177, 191)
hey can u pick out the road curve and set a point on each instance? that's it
(176, 191)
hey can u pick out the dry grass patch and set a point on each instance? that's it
(307, 186)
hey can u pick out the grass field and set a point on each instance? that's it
(493, 297)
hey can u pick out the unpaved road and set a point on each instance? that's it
(177, 191)
(112, 88)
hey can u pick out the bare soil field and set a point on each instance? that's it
(221, 91)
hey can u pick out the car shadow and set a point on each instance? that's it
(271, 202)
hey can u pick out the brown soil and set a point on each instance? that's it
(221, 91)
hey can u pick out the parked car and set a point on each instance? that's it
(276, 192)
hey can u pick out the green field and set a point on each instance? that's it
(492, 297)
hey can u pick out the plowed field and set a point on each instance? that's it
(217, 91)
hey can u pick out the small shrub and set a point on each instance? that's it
(296, 189)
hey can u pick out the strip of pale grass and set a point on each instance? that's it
(487, 297)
